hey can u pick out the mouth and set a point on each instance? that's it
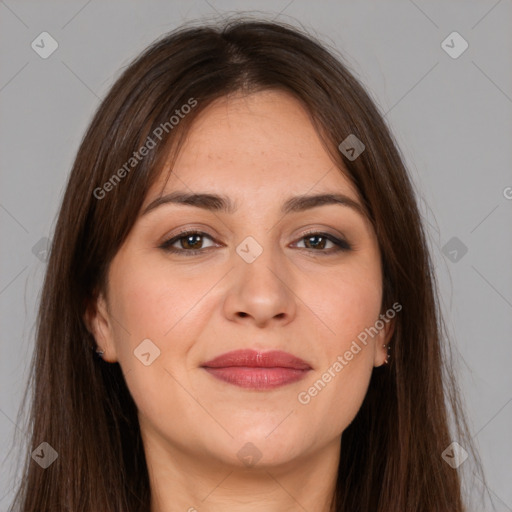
(257, 370)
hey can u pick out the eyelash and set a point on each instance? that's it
(342, 245)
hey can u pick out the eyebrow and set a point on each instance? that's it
(220, 203)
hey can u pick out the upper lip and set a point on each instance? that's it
(257, 359)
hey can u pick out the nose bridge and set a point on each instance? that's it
(260, 282)
(261, 263)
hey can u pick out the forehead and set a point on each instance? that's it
(262, 143)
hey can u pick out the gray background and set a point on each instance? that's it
(451, 117)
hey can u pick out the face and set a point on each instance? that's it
(302, 278)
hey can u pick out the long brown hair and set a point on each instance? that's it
(391, 452)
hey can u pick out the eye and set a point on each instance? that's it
(317, 242)
(190, 242)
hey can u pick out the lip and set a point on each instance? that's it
(257, 370)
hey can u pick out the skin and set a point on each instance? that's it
(259, 150)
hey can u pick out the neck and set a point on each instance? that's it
(182, 481)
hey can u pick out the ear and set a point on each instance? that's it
(99, 323)
(382, 339)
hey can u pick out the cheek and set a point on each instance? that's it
(349, 308)
(347, 303)
(151, 302)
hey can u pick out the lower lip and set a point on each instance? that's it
(257, 378)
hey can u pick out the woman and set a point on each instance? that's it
(240, 246)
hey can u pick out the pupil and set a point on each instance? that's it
(189, 238)
(316, 245)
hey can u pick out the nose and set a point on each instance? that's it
(261, 292)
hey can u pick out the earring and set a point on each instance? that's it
(387, 355)
(100, 352)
